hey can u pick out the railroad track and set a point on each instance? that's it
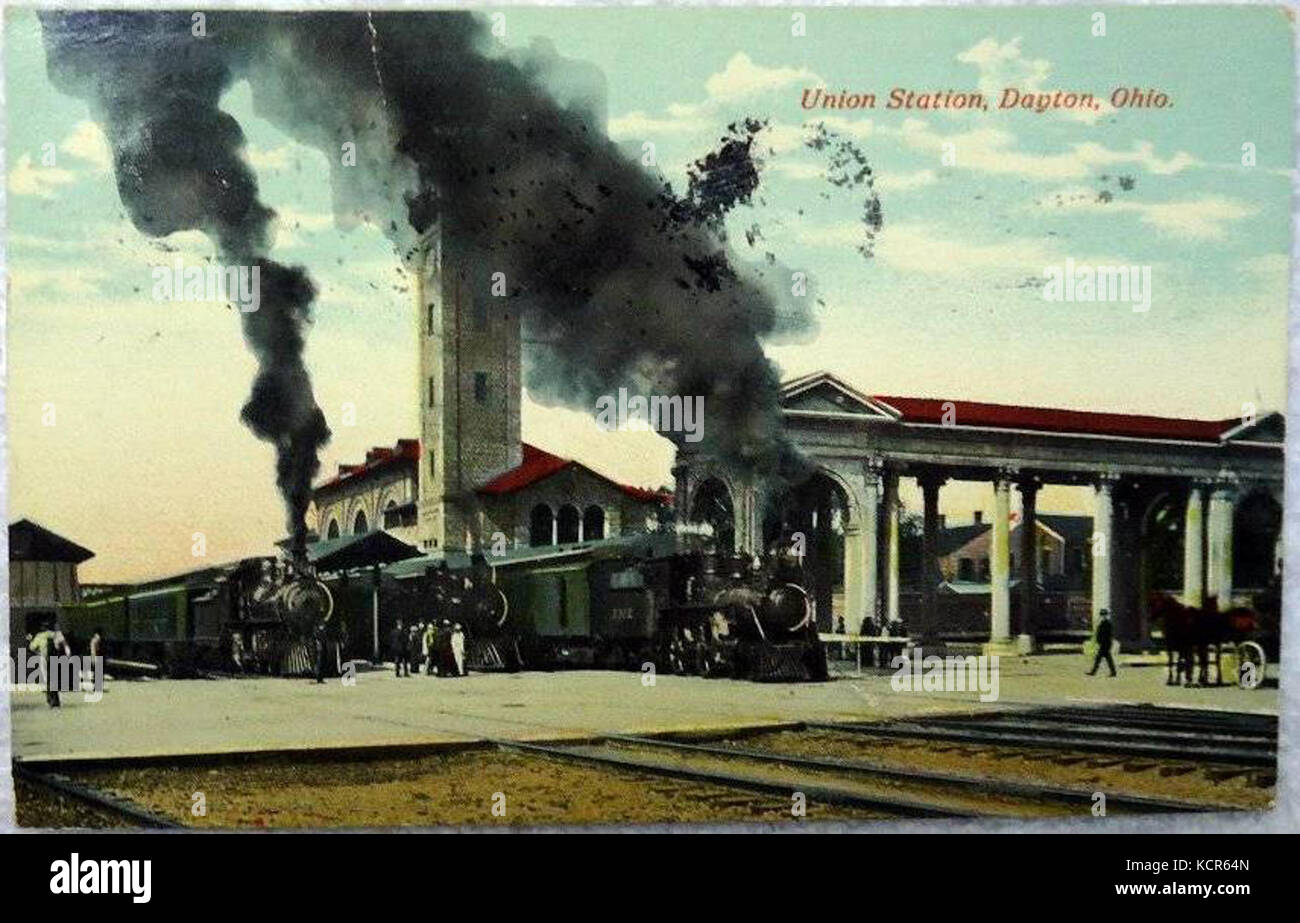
(839, 781)
(62, 786)
(735, 768)
(604, 755)
(979, 784)
(1236, 739)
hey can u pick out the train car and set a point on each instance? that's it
(550, 598)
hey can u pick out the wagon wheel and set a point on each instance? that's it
(1249, 652)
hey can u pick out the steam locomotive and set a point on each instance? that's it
(467, 597)
(259, 615)
(686, 611)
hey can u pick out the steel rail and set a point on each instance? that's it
(1063, 741)
(816, 793)
(980, 783)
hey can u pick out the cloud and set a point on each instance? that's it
(77, 282)
(797, 169)
(28, 180)
(639, 124)
(1272, 265)
(1204, 218)
(1004, 64)
(87, 142)
(991, 150)
(922, 248)
(269, 160)
(1198, 219)
(900, 182)
(884, 181)
(742, 78)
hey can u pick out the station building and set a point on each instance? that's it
(42, 576)
(469, 479)
(1199, 497)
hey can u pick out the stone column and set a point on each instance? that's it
(1028, 564)
(854, 589)
(892, 577)
(925, 624)
(1000, 562)
(870, 541)
(1194, 549)
(1103, 541)
(1220, 542)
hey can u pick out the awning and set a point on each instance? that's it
(349, 552)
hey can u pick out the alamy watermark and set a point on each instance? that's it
(658, 413)
(1083, 283)
(914, 672)
(65, 673)
(239, 285)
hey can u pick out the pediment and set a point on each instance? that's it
(822, 392)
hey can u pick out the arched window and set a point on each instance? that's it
(359, 524)
(333, 530)
(593, 524)
(567, 524)
(541, 526)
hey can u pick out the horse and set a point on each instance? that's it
(1190, 632)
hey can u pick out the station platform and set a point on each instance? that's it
(155, 718)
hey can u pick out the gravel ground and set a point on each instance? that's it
(35, 806)
(1213, 785)
(453, 789)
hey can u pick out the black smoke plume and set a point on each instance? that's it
(625, 282)
(155, 88)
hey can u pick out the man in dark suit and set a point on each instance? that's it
(400, 642)
(1104, 636)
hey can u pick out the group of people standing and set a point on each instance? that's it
(440, 647)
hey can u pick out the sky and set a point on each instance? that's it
(123, 411)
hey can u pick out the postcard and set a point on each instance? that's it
(768, 417)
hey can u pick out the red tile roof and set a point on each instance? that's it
(1046, 419)
(377, 458)
(539, 464)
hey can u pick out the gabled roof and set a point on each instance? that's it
(31, 542)
(1073, 530)
(538, 465)
(823, 392)
(955, 537)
